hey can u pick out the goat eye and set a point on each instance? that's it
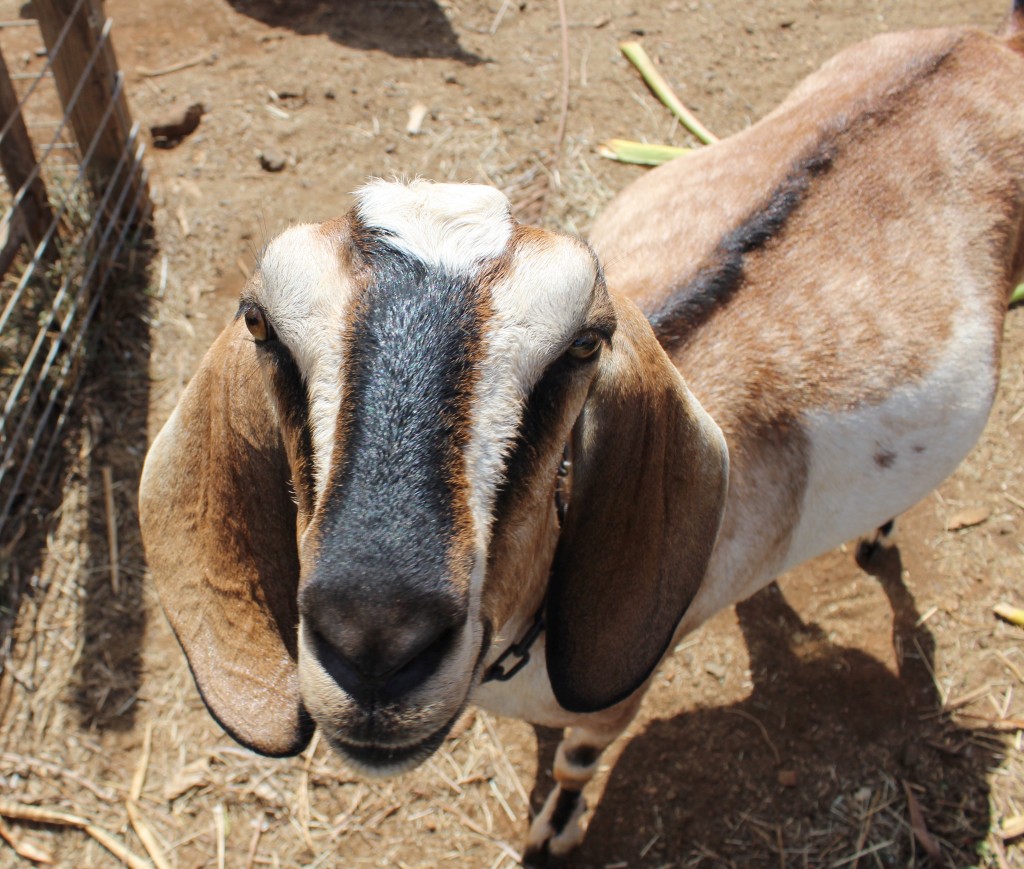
(585, 345)
(256, 322)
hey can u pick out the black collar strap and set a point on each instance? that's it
(521, 650)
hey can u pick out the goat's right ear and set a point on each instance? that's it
(219, 528)
(646, 500)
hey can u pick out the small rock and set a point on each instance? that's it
(272, 160)
(787, 778)
(171, 131)
(715, 669)
(416, 116)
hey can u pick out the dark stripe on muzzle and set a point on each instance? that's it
(396, 499)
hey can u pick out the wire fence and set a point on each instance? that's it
(74, 208)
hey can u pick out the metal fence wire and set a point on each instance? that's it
(74, 205)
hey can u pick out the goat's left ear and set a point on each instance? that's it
(648, 492)
(219, 528)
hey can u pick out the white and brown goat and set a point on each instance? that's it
(362, 502)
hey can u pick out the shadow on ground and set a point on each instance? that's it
(402, 28)
(70, 622)
(115, 406)
(809, 769)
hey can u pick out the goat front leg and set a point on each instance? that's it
(557, 828)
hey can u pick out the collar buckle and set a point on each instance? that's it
(521, 651)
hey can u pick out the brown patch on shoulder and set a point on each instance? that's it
(772, 465)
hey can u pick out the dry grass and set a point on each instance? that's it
(99, 717)
(101, 721)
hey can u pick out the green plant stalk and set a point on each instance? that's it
(640, 153)
(1017, 295)
(636, 55)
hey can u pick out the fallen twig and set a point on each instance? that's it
(761, 727)
(176, 67)
(1012, 828)
(142, 830)
(640, 153)
(108, 494)
(1012, 614)
(920, 828)
(22, 848)
(39, 815)
(218, 824)
(636, 55)
(147, 837)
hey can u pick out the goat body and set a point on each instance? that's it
(360, 503)
(836, 299)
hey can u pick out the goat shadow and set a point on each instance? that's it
(706, 788)
(402, 28)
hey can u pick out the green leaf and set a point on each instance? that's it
(640, 153)
(636, 55)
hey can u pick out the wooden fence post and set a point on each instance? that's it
(18, 160)
(101, 110)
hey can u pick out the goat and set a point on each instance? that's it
(435, 460)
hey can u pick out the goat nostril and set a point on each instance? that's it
(378, 669)
(418, 666)
(340, 667)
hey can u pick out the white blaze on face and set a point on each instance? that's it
(306, 295)
(456, 227)
(539, 306)
(537, 310)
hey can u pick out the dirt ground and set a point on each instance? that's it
(814, 725)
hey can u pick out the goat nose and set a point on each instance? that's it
(376, 653)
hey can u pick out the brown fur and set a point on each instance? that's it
(925, 122)
(222, 548)
(621, 579)
(887, 140)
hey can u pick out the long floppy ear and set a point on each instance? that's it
(648, 491)
(219, 528)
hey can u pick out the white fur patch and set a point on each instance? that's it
(451, 226)
(305, 294)
(869, 465)
(537, 312)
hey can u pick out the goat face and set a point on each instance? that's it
(442, 318)
(353, 505)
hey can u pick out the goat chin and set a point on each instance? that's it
(362, 477)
